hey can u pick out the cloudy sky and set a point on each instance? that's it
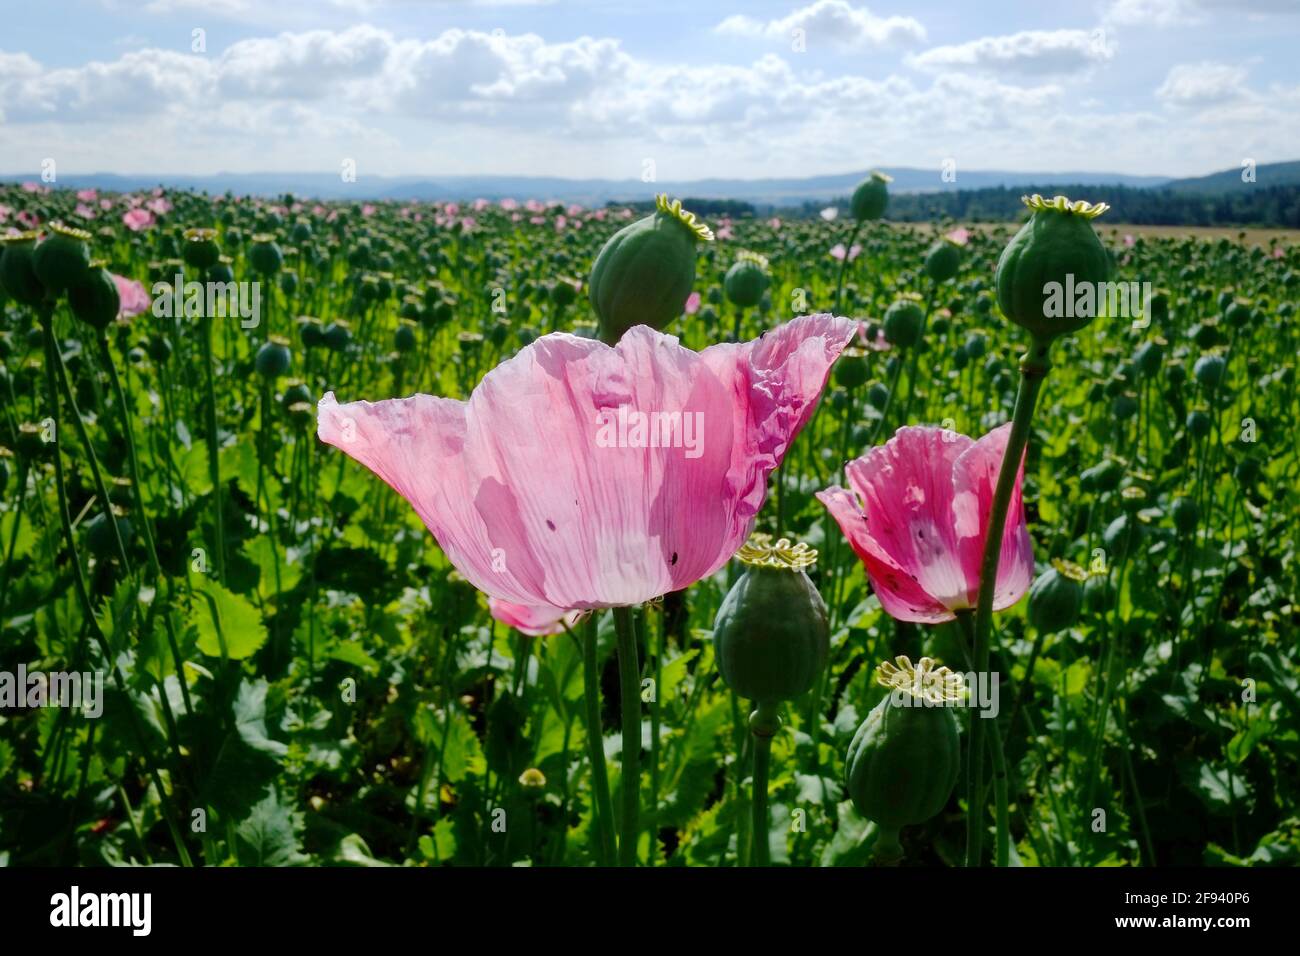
(599, 87)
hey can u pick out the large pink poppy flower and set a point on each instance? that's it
(580, 475)
(920, 527)
(533, 621)
(137, 219)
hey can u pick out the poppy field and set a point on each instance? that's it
(510, 533)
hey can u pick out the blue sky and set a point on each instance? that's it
(587, 88)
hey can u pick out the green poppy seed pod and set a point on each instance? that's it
(943, 260)
(336, 336)
(295, 391)
(200, 249)
(644, 273)
(1148, 357)
(1209, 370)
(564, 293)
(771, 636)
(1198, 423)
(1056, 597)
(851, 369)
(223, 271)
(1247, 471)
(94, 299)
(100, 540)
(870, 197)
(301, 232)
(289, 282)
(746, 280)
(1098, 595)
(1121, 536)
(960, 358)
(309, 331)
(404, 338)
(264, 255)
(17, 274)
(902, 764)
(1055, 252)
(1186, 515)
(63, 258)
(878, 396)
(159, 348)
(903, 322)
(273, 358)
(1124, 406)
(30, 443)
(1238, 315)
(1159, 306)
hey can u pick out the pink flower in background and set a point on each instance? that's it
(469, 223)
(368, 210)
(574, 209)
(134, 201)
(106, 204)
(533, 621)
(516, 217)
(159, 206)
(917, 517)
(837, 251)
(28, 219)
(1278, 253)
(157, 190)
(614, 522)
(137, 219)
(1128, 239)
(723, 232)
(560, 222)
(33, 187)
(692, 303)
(480, 205)
(4, 212)
(877, 342)
(134, 298)
(532, 205)
(959, 236)
(452, 209)
(85, 212)
(774, 222)
(87, 195)
(509, 205)
(537, 220)
(625, 214)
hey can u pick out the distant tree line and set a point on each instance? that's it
(1267, 206)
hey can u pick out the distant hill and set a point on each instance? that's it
(1229, 180)
(772, 192)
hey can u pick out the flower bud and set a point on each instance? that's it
(1056, 598)
(1055, 250)
(644, 273)
(771, 636)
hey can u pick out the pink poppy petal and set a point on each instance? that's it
(900, 594)
(533, 620)
(975, 476)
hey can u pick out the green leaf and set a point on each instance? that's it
(220, 615)
(269, 835)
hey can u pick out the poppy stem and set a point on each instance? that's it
(1034, 366)
(603, 806)
(629, 684)
(763, 724)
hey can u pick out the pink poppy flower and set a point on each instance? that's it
(919, 529)
(137, 219)
(837, 251)
(4, 212)
(106, 204)
(159, 206)
(533, 621)
(723, 233)
(959, 236)
(560, 222)
(509, 205)
(876, 343)
(580, 475)
(368, 210)
(480, 205)
(692, 304)
(28, 219)
(774, 222)
(85, 212)
(1128, 239)
(87, 195)
(33, 187)
(134, 299)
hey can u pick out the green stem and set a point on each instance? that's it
(603, 806)
(763, 724)
(629, 685)
(1034, 366)
(214, 465)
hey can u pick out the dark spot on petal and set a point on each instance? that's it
(550, 524)
(674, 560)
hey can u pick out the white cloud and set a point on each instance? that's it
(1028, 52)
(1202, 84)
(834, 22)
